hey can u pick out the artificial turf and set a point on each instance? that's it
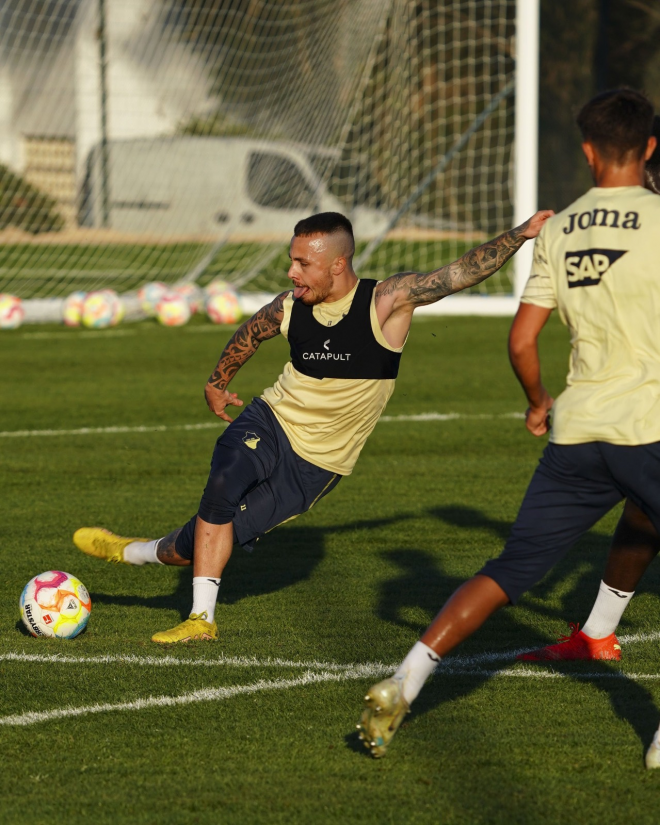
(353, 581)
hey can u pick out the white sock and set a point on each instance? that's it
(415, 669)
(142, 552)
(205, 595)
(607, 611)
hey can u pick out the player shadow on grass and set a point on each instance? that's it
(423, 585)
(282, 558)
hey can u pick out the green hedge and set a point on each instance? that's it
(24, 206)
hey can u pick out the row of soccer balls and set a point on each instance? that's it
(172, 306)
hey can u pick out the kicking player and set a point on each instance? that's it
(596, 263)
(290, 447)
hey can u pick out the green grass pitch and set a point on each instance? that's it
(351, 583)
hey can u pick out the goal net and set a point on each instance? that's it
(176, 140)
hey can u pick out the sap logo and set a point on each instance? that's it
(602, 217)
(586, 267)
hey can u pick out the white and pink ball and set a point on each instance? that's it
(173, 310)
(11, 311)
(72, 309)
(217, 287)
(98, 310)
(224, 308)
(55, 604)
(150, 296)
(193, 295)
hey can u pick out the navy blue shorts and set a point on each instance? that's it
(256, 480)
(573, 487)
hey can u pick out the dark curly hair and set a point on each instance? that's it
(618, 123)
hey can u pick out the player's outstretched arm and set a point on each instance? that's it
(398, 296)
(418, 289)
(263, 325)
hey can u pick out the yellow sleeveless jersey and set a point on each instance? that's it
(597, 262)
(328, 419)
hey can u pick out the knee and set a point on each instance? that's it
(636, 520)
(229, 480)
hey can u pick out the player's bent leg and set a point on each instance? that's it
(570, 490)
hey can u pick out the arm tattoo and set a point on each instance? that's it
(245, 341)
(475, 266)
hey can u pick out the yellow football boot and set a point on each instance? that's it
(384, 710)
(195, 628)
(101, 543)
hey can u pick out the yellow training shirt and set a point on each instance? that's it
(328, 420)
(597, 262)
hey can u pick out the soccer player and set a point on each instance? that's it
(635, 544)
(290, 447)
(596, 263)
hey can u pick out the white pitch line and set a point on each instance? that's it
(203, 695)
(310, 677)
(464, 663)
(115, 333)
(330, 672)
(210, 425)
(156, 428)
(172, 661)
(529, 673)
(433, 416)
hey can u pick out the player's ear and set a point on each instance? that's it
(338, 266)
(589, 153)
(650, 147)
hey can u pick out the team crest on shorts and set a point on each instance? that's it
(251, 440)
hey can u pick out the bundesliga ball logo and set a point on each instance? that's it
(55, 604)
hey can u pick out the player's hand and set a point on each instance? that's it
(217, 400)
(537, 419)
(532, 227)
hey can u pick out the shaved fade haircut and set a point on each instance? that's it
(652, 170)
(325, 223)
(618, 123)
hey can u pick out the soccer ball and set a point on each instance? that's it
(150, 296)
(55, 604)
(223, 308)
(193, 295)
(217, 287)
(99, 310)
(173, 310)
(118, 310)
(11, 312)
(72, 309)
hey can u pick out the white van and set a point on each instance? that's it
(210, 186)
